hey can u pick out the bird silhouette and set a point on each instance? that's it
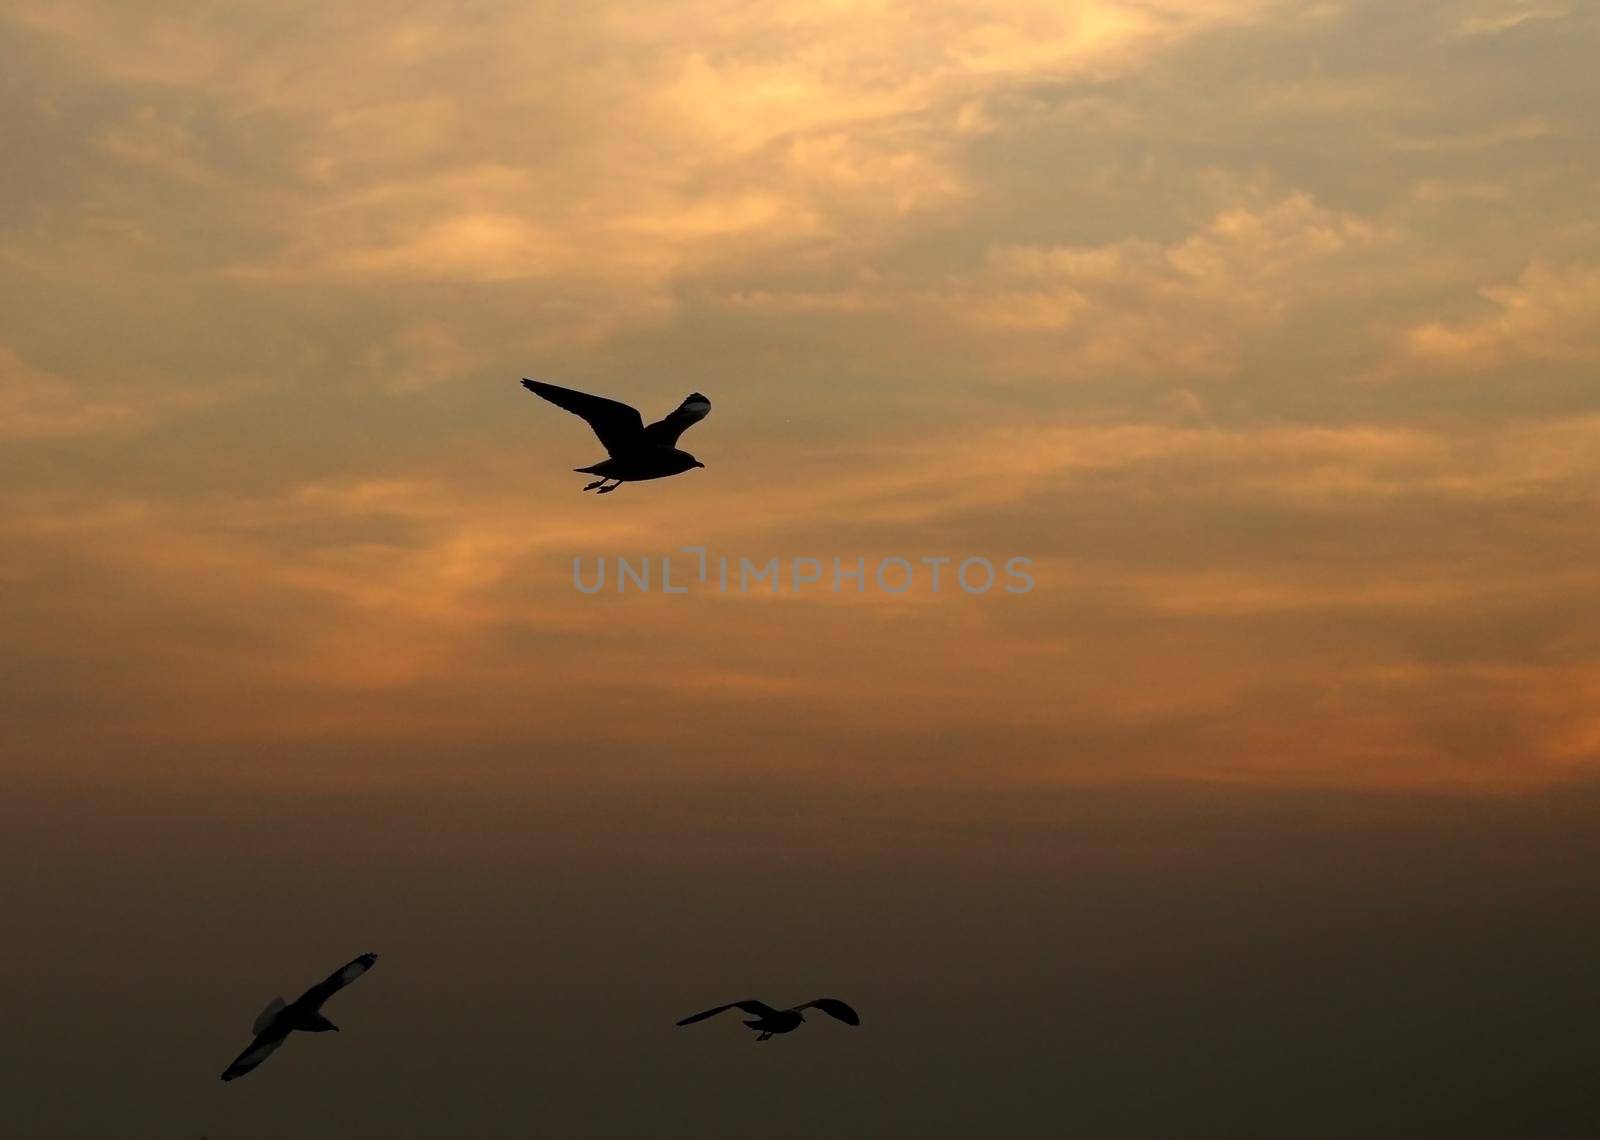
(278, 1020)
(769, 1021)
(636, 452)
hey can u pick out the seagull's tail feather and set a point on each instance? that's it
(268, 1015)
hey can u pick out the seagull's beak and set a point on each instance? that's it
(697, 463)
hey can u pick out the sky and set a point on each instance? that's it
(1265, 332)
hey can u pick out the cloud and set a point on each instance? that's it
(1180, 309)
(158, 140)
(1520, 130)
(1508, 18)
(455, 151)
(39, 405)
(1547, 313)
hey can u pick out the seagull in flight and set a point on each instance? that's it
(636, 451)
(769, 1021)
(279, 1020)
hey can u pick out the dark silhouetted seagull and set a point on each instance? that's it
(637, 452)
(278, 1020)
(769, 1021)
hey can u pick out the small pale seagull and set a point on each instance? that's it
(636, 452)
(279, 1020)
(769, 1021)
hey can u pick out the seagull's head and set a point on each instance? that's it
(681, 461)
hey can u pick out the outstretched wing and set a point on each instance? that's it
(759, 1008)
(260, 1049)
(665, 432)
(267, 1016)
(336, 981)
(619, 426)
(833, 1007)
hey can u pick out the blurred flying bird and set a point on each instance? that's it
(769, 1021)
(278, 1020)
(637, 452)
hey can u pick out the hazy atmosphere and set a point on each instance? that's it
(1268, 334)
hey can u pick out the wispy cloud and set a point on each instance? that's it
(1499, 21)
(1548, 313)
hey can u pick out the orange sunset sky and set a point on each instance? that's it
(1269, 332)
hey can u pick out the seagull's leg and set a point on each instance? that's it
(763, 1037)
(613, 487)
(593, 485)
